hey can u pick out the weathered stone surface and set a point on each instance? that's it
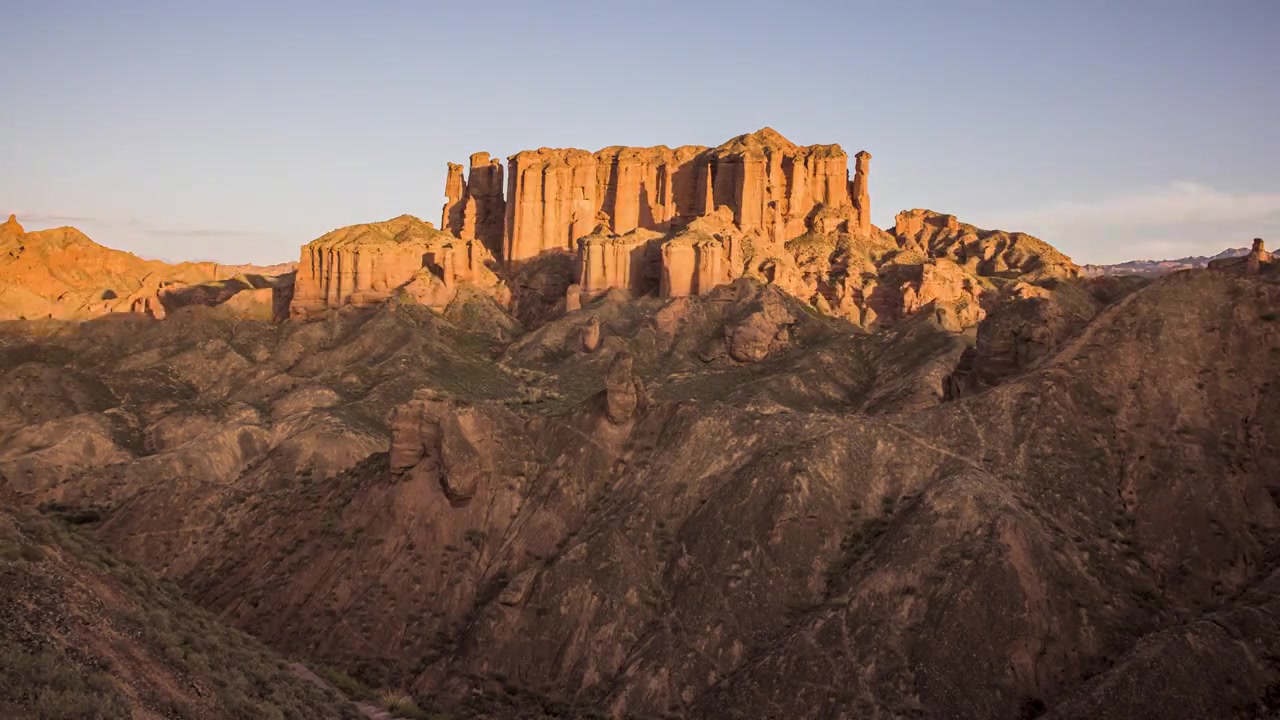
(985, 252)
(623, 390)
(573, 298)
(752, 171)
(475, 208)
(860, 192)
(590, 339)
(556, 195)
(617, 261)
(955, 297)
(363, 265)
(437, 441)
(763, 332)
(455, 192)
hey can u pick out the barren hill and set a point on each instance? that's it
(62, 274)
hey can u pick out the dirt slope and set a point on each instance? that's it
(85, 635)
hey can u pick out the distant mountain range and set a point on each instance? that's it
(1156, 268)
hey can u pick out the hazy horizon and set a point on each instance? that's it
(237, 133)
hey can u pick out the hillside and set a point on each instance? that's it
(713, 506)
(62, 274)
(86, 635)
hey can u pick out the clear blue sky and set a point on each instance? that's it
(237, 131)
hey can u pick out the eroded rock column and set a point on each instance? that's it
(861, 193)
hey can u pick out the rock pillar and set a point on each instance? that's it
(861, 194)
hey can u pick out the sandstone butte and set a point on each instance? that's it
(573, 226)
(673, 223)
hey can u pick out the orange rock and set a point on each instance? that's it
(555, 196)
(955, 297)
(609, 261)
(455, 190)
(984, 252)
(861, 195)
(573, 298)
(12, 227)
(1257, 256)
(60, 273)
(363, 265)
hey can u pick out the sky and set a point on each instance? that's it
(238, 131)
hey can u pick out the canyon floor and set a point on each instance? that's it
(723, 505)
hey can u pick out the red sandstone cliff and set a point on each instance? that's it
(555, 197)
(365, 264)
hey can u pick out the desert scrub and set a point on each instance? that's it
(53, 687)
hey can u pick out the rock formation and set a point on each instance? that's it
(616, 261)
(590, 339)
(1256, 261)
(861, 195)
(455, 191)
(954, 297)
(555, 197)
(363, 265)
(474, 208)
(573, 298)
(61, 274)
(985, 252)
(436, 441)
(623, 390)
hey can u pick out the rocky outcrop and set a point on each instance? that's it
(616, 261)
(455, 192)
(558, 196)
(437, 440)
(707, 253)
(363, 265)
(860, 192)
(954, 297)
(1256, 261)
(573, 298)
(763, 176)
(12, 226)
(624, 393)
(475, 208)
(590, 338)
(984, 252)
(764, 331)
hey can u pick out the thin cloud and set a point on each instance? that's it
(1161, 222)
(1171, 205)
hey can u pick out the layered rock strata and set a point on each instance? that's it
(556, 197)
(475, 208)
(364, 265)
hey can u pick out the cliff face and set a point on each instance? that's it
(555, 197)
(558, 196)
(364, 265)
(773, 184)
